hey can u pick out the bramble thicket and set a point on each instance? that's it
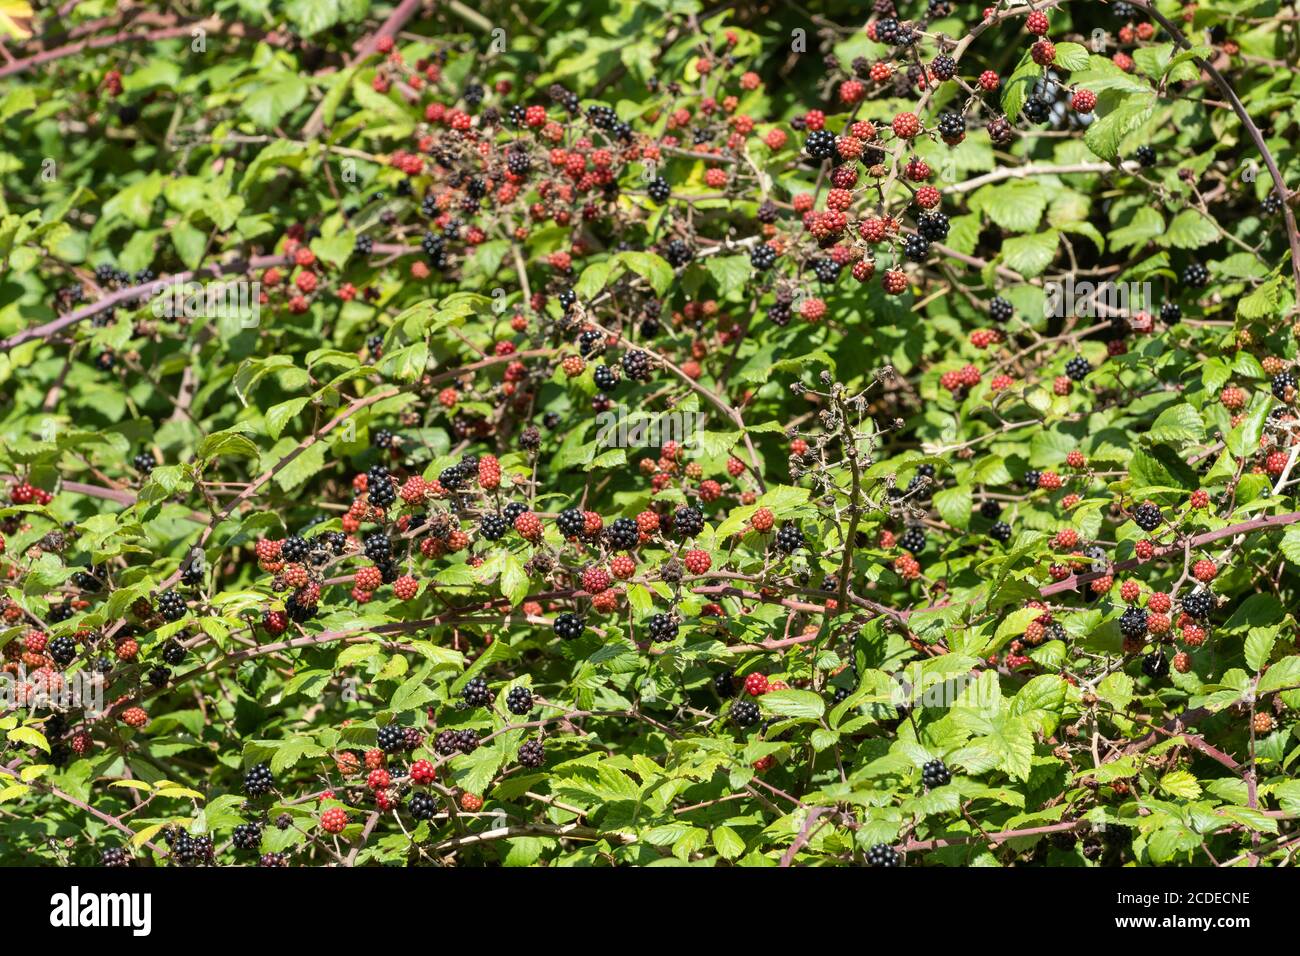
(636, 433)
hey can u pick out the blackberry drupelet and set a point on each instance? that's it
(1170, 312)
(1145, 155)
(605, 378)
(63, 649)
(513, 510)
(294, 548)
(115, 856)
(827, 270)
(662, 627)
(173, 652)
(636, 365)
(951, 125)
(1196, 275)
(763, 257)
(724, 682)
(990, 509)
(933, 226)
(916, 248)
(1282, 382)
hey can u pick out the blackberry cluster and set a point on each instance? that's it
(569, 626)
(258, 780)
(821, 144)
(1133, 622)
(115, 856)
(883, 855)
(423, 806)
(513, 510)
(1078, 368)
(1001, 532)
(1199, 604)
(724, 682)
(364, 246)
(659, 190)
(519, 700)
(532, 754)
(1037, 109)
(1170, 312)
(789, 539)
(63, 649)
(622, 534)
(378, 548)
(518, 162)
(247, 836)
(1147, 516)
(173, 652)
(935, 774)
(943, 67)
(1272, 204)
(678, 253)
(662, 627)
(435, 247)
(1145, 155)
(990, 509)
(688, 522)
(456, 741)
(391, 738)
(144, 462)
(913, 539)
(171, 605)
(745, 713)
(1000, 310)
(762, 256)
(476, 693)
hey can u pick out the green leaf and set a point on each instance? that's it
(793, 703)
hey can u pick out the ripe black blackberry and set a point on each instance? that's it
(935, 774)
(883, 855)
(1155, 664)
(1272, 204)
(951, 126)
(570, 522)
(602, 116)
(933, 226)
(336, 541)
(1283, 382)
(1196, 275)
(192, 573)
(659, 190)
(1000, 130)
(173, 652)
(258, 780)
(943, 67)
(887, 30)
(1037, 109)
(779, 314)
(171, 605)
(381, 493)
(1121, 10)
(144, 462)
(519, 700)
(115, 856)
(476, 693)
(724, 682)
(1078, 368)
(1000, 532)
(916, 248)
(1000, 310)
(88, 580)
(662, 627)
(569, 626)
(1170, 312)
(158, 676)
(622, 534)
(518, 162)
(377, 546)
(678, 253)
(423, 806)
(828, 270)
(1133, 622)
(1147, 516)
(990, 509)
(745, 713)
(768, 213)
(63, 649)
(821, 144)
(247, 836)
(790, 538)
(762, 257)
(294, 548)
(913, 539)
(492, 526)
(391, 738)
(636, 365)
(687, 522)
(466, 740)
(446, 743)
(364, 245)
(513, 510)
(532, 754)
(589, 342)
(1199, 604)
(605, 378)
(1145, 155)
(451, 478)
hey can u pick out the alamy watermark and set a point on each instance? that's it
(1088, 299)
(236, 298)
(915, 689)
(58, 691)
(617, 429)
